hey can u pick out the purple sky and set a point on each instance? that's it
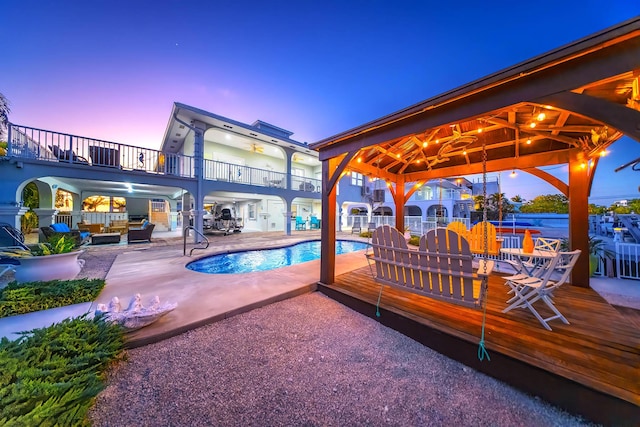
(112, 69)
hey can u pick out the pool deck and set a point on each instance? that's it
(158, 269)
(201, 298)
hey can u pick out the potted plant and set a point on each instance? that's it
(597, 250)
(55, 260)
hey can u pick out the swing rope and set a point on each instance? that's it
(482, 350)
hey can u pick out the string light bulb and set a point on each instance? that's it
(541, 116)
(532, 125)
(528, 141)
(425, 144)
(359, 159)
(513, 174)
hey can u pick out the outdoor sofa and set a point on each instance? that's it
(81, 237)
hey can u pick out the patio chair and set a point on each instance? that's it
(300, 223)
(542, 244)
(67, 155)
(90, 228)
(141, 234)
(532, 289)
(356, 227)
(314, 223)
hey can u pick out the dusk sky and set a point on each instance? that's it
(112, 69)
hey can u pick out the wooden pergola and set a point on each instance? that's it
(563, 107)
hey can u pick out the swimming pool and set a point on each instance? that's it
(268, 259)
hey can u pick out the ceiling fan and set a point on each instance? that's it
(257, 148)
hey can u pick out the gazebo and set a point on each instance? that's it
(564, 107)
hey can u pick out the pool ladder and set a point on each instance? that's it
(185, 233)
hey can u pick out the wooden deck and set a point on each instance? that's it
(590, 367)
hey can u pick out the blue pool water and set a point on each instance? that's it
(268, 259)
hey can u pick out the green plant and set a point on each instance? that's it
(20, 298)
(597, 247)
(56, 244)
(51, 376)
(3, 148)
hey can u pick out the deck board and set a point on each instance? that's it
(599, 349)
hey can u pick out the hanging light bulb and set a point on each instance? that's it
(541, 116)
(532, 125)
(425, 144)
(513, 174)
(528, 141)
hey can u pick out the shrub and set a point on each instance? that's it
(52, 376)
(20, 298)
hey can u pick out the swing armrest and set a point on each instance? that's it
(481, 267)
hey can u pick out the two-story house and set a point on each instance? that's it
(206, 164)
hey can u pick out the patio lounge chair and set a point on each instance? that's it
(10, 238)
(141, 234)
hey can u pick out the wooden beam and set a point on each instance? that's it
(615, 115)
(523, 162)
(328, 230)
(579, 216)
(545, 176)
(569, 141)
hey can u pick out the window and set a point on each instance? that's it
(297, 172)
(357, 179)
(252, 211)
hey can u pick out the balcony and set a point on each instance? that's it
(65, 149)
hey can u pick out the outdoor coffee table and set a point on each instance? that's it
(102, 238)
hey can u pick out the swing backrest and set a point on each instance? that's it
(460, 228)
(476, 239)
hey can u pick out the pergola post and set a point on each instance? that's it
(579, 215)
(399, 200)
(328, 229)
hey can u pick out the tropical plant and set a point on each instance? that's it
(3, 148)
(4, 113)
(597, 247)
(56, 244)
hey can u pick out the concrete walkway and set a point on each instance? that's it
(202, 298)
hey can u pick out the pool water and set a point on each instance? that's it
(268, 259)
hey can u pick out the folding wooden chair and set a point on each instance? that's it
(542, 244)
(529, 290)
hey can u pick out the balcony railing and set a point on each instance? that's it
(33, 143)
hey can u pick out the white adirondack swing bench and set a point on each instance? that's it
(441, 268)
